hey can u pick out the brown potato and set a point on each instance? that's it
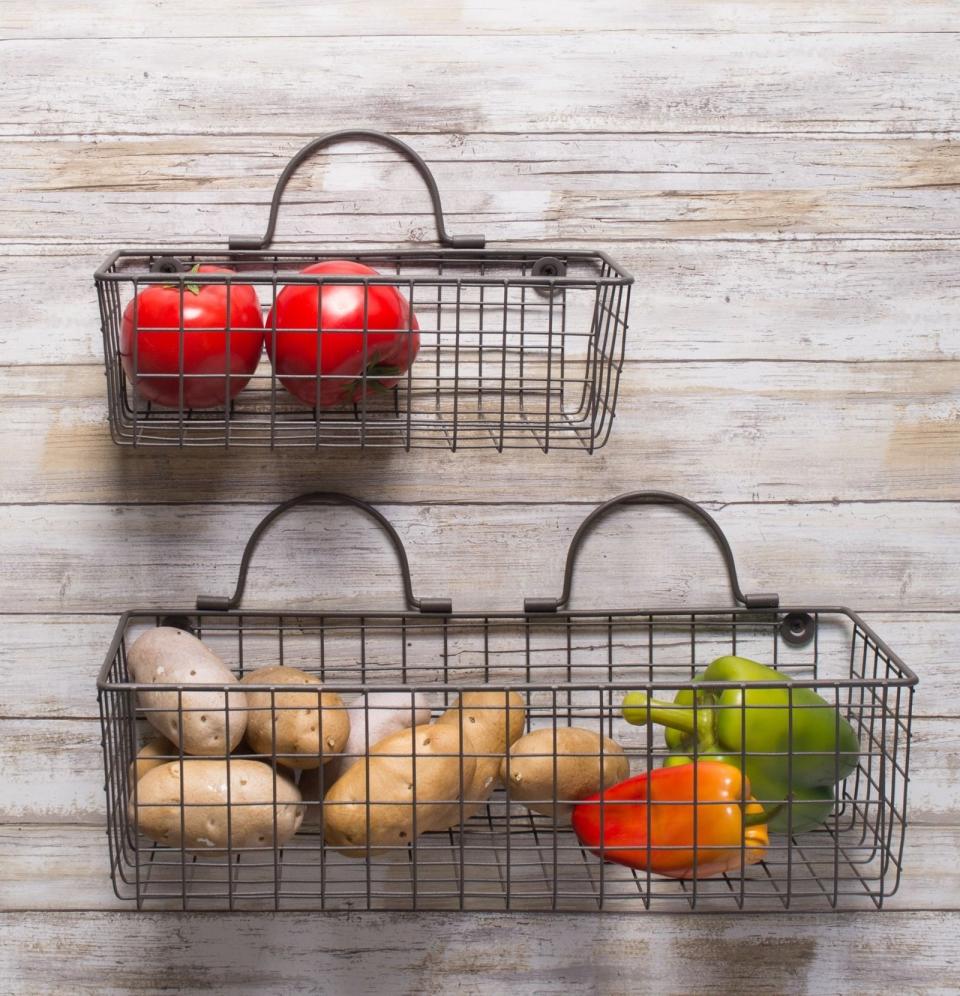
(211, 725)
(303, 729)
(414, 786)
(529, 776)
(199, 797)
(151, 755)
(492, 721)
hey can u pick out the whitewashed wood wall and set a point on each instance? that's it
(782, 176)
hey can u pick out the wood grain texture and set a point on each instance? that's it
(55, 868)
(763, 83)
(719, 300)
(603, 188)
(70, 790)
(781, 176)
(105, 558)
(115, 19)
(48, 664)
(732, 432)
(534, 954)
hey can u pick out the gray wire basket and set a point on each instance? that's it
(497, 348)
(567, 668)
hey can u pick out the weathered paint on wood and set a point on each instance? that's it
(780, 175)
(180, 18)
(748, 431)
(483, 954)
(48, 663)
(103, 558)
(810, 83)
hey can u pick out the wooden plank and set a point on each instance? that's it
(101, 953)
(66, 867)
(716, 431)
(605, 188)
(179, 18)
(846, 300)
(53, 771)
(48, 663)
(101, 558)
(464, 164)
(764, 83)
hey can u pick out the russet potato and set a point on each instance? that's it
(206, 723)
(551, 768)
(491, 722)
(409, 783)
(302, 729)
(187, 804)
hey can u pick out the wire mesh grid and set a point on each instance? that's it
(570, 669)
(507, 357)
(454, 348)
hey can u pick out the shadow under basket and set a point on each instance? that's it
(569, 668)
(513, 348)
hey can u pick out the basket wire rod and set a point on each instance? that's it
(275, 354)
(456, 369)
(331, 138)
(790, 796)
(220, 604)
(650, 498)
(135, 386)
(549, 387)
(365, 380)
(408, 437)
(556, 792)
(503, 367)
(744, 803)
(227, 372)
(183, 809)
(835, 816)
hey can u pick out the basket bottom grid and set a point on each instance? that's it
(504, 861)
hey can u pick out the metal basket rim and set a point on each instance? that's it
(908, 680)
(623, 277)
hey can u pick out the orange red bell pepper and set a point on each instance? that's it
(686, 821)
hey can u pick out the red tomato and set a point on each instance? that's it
(391, 346)
(204, 341)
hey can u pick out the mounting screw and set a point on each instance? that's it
(797, 628)
(548, 266)
(167, 264)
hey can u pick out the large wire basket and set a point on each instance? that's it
(568, 668)
(486, 348)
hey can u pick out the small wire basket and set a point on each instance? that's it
(547, 668)
(453, 348)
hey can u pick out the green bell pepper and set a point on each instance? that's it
(791, 743)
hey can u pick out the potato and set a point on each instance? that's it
(374, 716)
(211, 725)
(530, 778)
(304, 729)
(151, 755)
(200, 796)
(414, 777)
(485, 716)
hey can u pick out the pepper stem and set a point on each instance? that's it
(638, 708)
(758, 819)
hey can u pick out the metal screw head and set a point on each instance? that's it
(167, 264)
(797, 628)
(548, 266)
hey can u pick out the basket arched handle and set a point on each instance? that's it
(221, 604)
(311, 148)
(756, 601)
